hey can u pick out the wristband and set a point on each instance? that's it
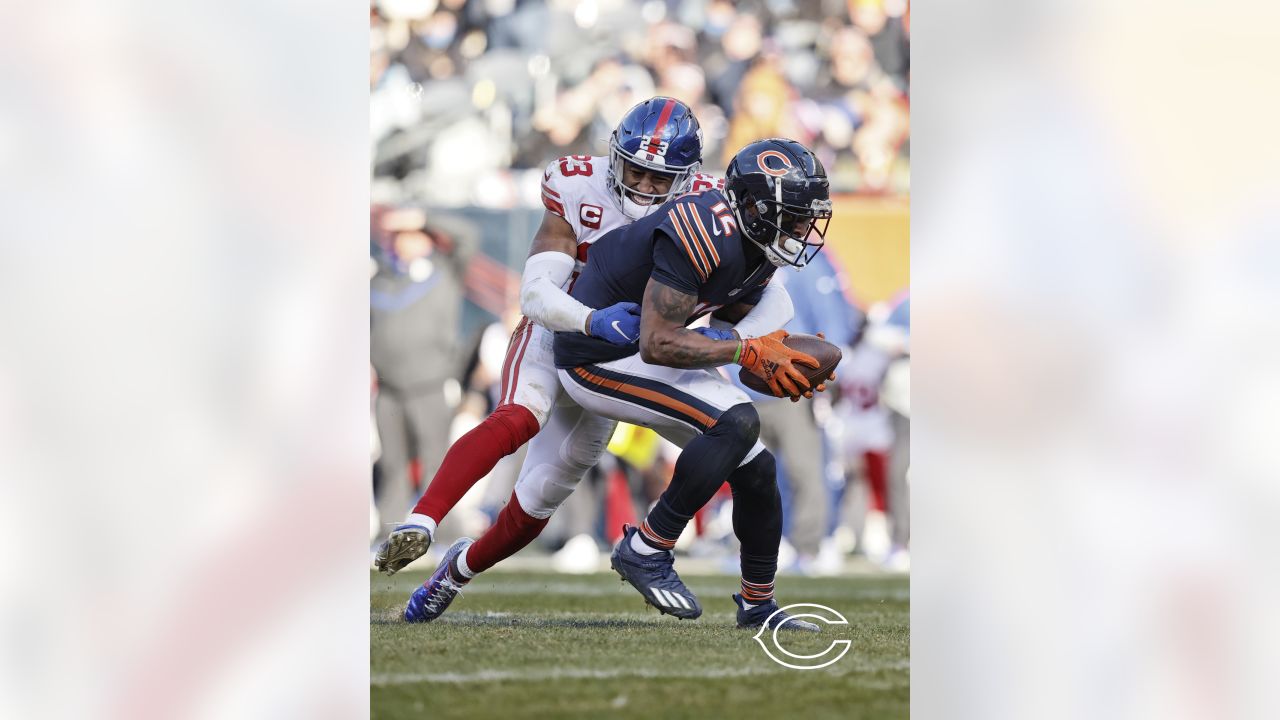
(737, 354)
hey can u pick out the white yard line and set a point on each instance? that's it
(389, 679)
(506, 587)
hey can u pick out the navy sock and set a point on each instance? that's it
(757, 521)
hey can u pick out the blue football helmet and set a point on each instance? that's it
(662, 135)
(779, 193)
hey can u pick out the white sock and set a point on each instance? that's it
(423, 520)
(463, 570)
(643, 547)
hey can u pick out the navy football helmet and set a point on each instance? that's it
(781, 198)
(661, 135)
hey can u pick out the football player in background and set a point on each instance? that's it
(654, 154)
(706, 252)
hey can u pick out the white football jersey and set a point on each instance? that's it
(576, 188)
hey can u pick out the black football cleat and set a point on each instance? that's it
(655, 577)
(770, 616)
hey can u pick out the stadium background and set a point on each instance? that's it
(471, 100)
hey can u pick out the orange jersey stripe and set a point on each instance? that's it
(693, 246)
(711, 247)
(627, 389)
(676, 223)
(696, 243)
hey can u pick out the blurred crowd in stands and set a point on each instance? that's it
(470, 100)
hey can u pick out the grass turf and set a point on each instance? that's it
(544, 645)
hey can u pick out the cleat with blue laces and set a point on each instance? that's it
(655, 577)
(404, 545)
(430, 600)
(770, 616)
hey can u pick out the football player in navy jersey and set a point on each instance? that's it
(655, 154)
(708, 252)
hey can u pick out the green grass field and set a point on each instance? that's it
(544, 645)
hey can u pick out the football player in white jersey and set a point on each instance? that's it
(655, 154)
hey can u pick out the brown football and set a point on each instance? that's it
(827, 355)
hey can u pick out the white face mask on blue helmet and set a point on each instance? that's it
(659, 135)
(681, 179)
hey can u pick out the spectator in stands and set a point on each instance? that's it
(764, 107)
(521, 82)
(415, 308)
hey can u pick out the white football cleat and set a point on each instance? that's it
(404, 545)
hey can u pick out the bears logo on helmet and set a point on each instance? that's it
(785, 163)
(781, 197)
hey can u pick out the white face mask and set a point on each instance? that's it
(631, 208)
(635, 210)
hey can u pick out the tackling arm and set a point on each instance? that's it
(551, 261)
(771, 312)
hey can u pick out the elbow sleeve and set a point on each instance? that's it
(542, 298)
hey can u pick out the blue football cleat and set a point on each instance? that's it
(404, 545)
(655, 577)
(770, 616)
(431, 600)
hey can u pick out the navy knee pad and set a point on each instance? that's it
(703, 466)
(741, 423)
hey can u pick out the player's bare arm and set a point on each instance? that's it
(554, 235)
(664, 339)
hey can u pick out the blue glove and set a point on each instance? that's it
(619, 323)
(716, 334)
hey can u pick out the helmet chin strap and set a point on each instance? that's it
(770, 250)
(770, 253)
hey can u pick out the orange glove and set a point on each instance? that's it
(820, 386)
(768, 359)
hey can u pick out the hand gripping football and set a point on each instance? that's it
(827, 355)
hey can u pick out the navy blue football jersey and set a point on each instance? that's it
(691, 244)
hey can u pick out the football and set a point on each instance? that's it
(827, 355)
